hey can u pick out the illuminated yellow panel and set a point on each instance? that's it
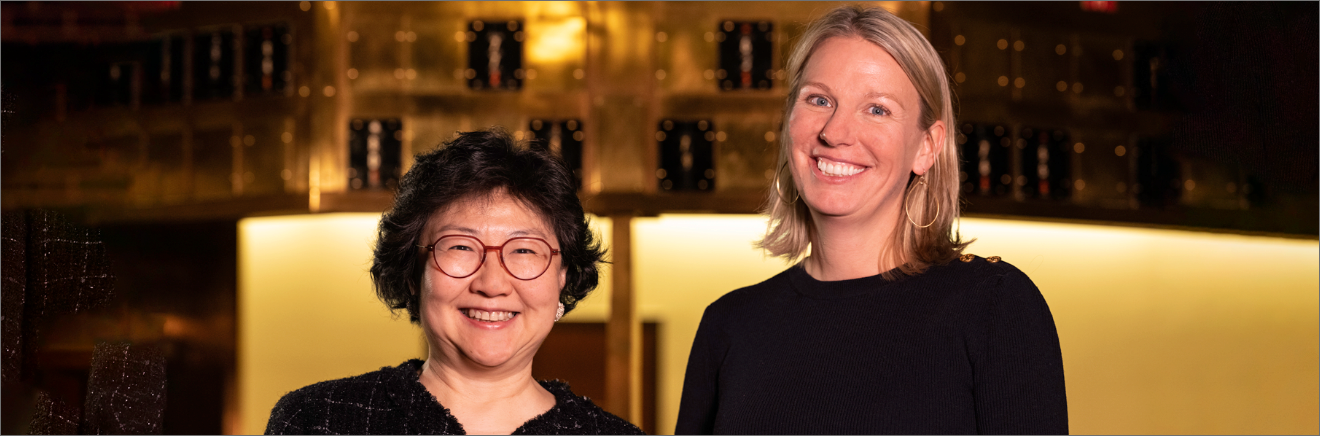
(307, 311)
(1174, 332)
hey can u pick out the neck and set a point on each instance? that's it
(453, 384)
(846, 248)
(485, 400)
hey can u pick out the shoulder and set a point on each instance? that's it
(303, 410)
(575, 414)
(995, 291)
(984, 274)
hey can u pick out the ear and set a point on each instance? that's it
(932, 145)
(563, 278)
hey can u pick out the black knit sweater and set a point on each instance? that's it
(393, 401)
(963, 348)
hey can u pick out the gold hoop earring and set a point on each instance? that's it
(907, 208)
(779, 192)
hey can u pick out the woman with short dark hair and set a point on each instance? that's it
(486, 247)
(885, 326)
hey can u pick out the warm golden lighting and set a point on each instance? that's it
(1079, 148)
(555, 40)
(1061, 49)
(1151, 321)
(1120, 150)
(1003, 80)
(1002, 44)
(959, 40)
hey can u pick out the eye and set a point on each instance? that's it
(816, 100)
(878, 110)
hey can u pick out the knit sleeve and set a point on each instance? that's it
(1018, 365)
(700, 401)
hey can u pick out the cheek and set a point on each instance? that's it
(436, 287)
(803, 126)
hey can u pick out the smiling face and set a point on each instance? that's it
(856, 134)
(489, 318)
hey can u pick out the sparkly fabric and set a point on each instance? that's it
(13, 291)
(126, 390)
(392, 401)
(68, 271)
(51, 267)
(54, 416)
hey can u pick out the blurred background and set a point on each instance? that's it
(194, 187)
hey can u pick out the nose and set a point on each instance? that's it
(837, 130)
(491, 280)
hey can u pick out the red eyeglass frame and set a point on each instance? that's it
(486, 249)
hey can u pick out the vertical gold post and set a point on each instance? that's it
(623, 346)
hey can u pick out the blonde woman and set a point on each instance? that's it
(884, 326)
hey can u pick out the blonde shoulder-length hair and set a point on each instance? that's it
(915, 245)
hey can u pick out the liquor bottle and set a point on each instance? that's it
(686, 159)
(374, 153)
(495, 55)
(745, 52)
(564, 138)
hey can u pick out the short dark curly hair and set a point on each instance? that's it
(479, 163)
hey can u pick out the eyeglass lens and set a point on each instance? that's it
(461, 256)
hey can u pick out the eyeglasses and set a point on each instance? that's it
(460, 256)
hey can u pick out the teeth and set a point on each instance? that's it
(837, 169)
(482, 315)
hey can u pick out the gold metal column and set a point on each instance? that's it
(623, 331)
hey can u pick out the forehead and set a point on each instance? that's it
(492, 214)
(857, 63)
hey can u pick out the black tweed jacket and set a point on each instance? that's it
(392, 401)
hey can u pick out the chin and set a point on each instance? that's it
(490, 359)
(832, 204)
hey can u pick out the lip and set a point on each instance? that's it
(488, 325)
(815, 169)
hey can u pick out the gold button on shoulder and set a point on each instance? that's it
(967, 257)
(992, 259)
